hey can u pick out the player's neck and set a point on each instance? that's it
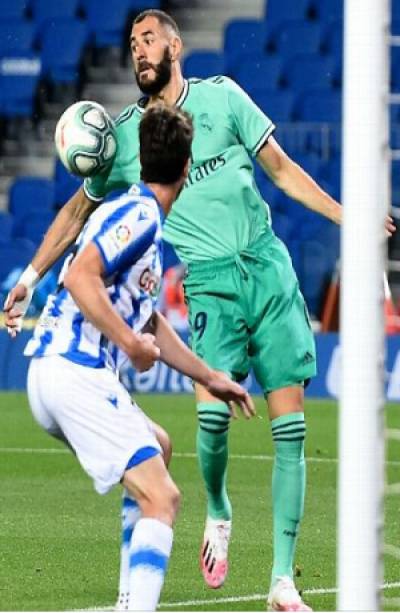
(172, 91)
(165, 194)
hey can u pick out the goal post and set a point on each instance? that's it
(365, 181)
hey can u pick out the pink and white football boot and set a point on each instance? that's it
(285, 597)
(214, 551)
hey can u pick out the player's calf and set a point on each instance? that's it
(151, 542)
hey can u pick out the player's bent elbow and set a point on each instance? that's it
(72, 280)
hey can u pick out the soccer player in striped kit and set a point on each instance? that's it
(102, 313)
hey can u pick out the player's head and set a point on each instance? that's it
(156, 45)
(165, 136)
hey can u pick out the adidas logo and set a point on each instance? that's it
(308, 357)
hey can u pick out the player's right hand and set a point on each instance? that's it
(144, 352)
(15, 307)
(221, 386)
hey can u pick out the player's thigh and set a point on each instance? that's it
(40, 388)
(218, 329)
(282, 343)
(285, 400)
(164, 440)
(105, 428)
(151, 484)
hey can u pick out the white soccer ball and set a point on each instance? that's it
(85, 138)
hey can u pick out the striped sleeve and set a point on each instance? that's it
(123, 238)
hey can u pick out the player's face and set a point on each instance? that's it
(150, 47)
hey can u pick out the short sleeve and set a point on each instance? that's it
(253, 126)
(123, 238)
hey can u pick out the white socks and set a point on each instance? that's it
(150, 548)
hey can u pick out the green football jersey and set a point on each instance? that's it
(220, 210)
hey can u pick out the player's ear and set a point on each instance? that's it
(176, 48)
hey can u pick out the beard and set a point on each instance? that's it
(162, 75)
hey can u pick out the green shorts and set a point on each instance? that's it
(246, 311)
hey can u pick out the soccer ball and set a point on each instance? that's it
(85, 138)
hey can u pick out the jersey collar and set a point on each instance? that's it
(143, 101)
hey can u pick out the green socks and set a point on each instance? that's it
(212, 451)
(288, 489)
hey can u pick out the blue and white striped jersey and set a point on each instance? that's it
(127, 233)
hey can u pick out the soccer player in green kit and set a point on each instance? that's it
(245, 307)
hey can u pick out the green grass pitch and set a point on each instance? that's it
(60, 540)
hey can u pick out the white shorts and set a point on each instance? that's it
(92, 412)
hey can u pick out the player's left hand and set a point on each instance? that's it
(15, 307)
(220, 386)
(390, 228)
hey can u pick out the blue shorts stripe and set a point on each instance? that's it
(145, 453)
(128, 503)
(149, 557)
(127, 535)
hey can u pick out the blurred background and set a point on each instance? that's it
(287, 54)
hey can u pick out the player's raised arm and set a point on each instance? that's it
(296, 183)
(61, 234)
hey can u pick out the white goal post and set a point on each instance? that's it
(365, 195)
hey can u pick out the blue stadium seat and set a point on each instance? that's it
(14, 9)
(328, 10)
(243, 36)
(310, 162)
(282, 226)
(395, 9)
(203, 64)
(16, 36)
(306, 71)
(34, 226)
(295, 36)
(60, 61)
(7, 226)
(106, 21)
(317, 263)
(256, 72)
(332, 39)
(66, 184)
(141, 5)
(395, 28)
(48, 10)
(277, 11)
(28, 195)
(266, 187)
(19, 78)
(331, 173)
(299, 215)
(395, 69)
(396, 182)
(319, 106)
(18, 252)
(278, 105)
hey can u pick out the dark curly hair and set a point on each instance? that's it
(165, 135)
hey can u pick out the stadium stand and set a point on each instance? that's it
(243, 36)
(17, 9)
(259, 71)
(276, 11)
(203, 64)
(19, 79)
(287, 55)
(46, 11)
(61, 62)
(16, 36)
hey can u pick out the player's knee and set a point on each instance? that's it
(165, 502)
(214, 419)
